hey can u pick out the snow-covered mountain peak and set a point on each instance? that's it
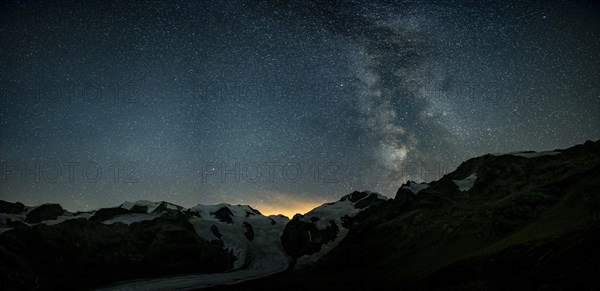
(145, 206)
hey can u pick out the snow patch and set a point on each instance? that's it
(131, 218)
(4, 217)
(150, 206)
(379, 195)
(330, 212)
(327, 213)
(64, 217)
(528, 155)
(467, 183)
(415, 187)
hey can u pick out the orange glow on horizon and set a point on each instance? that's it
(286, 205)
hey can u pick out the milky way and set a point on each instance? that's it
(282, 105)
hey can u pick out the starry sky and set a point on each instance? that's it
(282, 105)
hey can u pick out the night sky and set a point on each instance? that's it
(281, 105)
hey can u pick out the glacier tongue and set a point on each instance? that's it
(259, 252)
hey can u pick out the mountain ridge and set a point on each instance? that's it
(528, 222)
(538, 210)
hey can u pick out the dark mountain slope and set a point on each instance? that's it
(78, 253)
(522, 221)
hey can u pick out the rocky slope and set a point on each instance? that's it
(310, 236)
(49, 248)
(501, 221)
(520, 221)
